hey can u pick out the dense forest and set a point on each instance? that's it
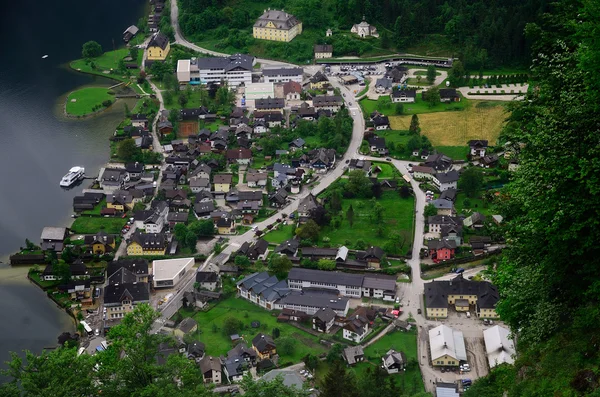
(483, 33)
(549, 278)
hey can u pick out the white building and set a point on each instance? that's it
(169, 272)
(234, 69)
(447, 346)
(345, 283)
(499, 347)
(312, 303)
(282, 75)
(356, 328)
(447, 180)
(363, 29)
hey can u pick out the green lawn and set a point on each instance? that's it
(45, 284)
(420, 106)
(454, 152)
(411, 379)
(398, 215)
(387, 170)
(399, 138)
(423, 72)
(84, 100)
(280, 235)
(217, 343)
(96, 210)
(475, 205)
(91, 225)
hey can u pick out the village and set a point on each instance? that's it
(271, 214)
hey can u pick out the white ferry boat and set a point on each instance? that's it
(75, 174)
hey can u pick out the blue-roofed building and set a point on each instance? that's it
(262, 289)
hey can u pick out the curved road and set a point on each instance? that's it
(411, 298)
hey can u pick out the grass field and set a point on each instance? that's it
(387, 170)
(419, 107)
(480, 120)
(411, 380)
(398, 215)
(454, 152)
(280, 235)
(91, 225)
(217, 343)
(474, 205)
(423, 72)
(82, 101)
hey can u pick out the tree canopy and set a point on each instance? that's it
(91, 49)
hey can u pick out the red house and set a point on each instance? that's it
(441, 249)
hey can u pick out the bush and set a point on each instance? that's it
(107, 103)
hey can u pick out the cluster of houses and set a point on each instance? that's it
(447, 346)
(320, 298)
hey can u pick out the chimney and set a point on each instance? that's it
(445, 345)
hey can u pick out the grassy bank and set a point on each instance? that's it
(211, 323)
(87, 100)
(91, 225)
(479, 120)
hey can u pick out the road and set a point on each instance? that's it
(413, 291)
(179, 39)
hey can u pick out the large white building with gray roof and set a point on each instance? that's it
(234, 69)
(345, 284)
(447, 346)
(262, 289)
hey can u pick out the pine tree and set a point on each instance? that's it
(414, 128)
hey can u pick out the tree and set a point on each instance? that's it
(67, 254)
(326, 264)
(429, 210)
(320, 215)
(311, 361)
(183, 100)
(286, 346)
(242, 261)
(339, 382)
(399, 108)
(127, 150)
(413, 144)
(276, 333)
(335, 200)
(62, 270)
(431, 74)
(470, 182)
(335, 353)
(358, 184)
(414, 128)
(350, 215)
(280, 265)
(404, 191)
(377, 213)
(91, 49)
(202, 228)
(433, 96)
(308, 231)
(274, 388)
(457, 74)
(232, 325)
(190, 240)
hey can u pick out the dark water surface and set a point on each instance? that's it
(38, 145)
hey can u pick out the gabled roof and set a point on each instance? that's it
(207, 277)
(392, 357)
(404, 94)
(209, 364)
(308, 203)
(381, 120)
(54, 233)
(222, 178)
(263, 342)
(325, 315)
(499, 346)
(377, 142)
(292, 86)
(312, 275)
(448, 93)
(136, 292)
(187, 324)
(438, 244)
(159, 40)
(327, 100)
(384, 82)
(239, 154)
(350, 353)
(149, 240)
(478, 143)
(269, 103)
(323, 48)
(448, 177)
(444, 340)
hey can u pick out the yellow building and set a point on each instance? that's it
(158, 47)
(226, 226)
(447, 346)
(276, 26)
(222, 182)
(264, 346)
(120, 201)
(100, 243)
(147, 244)
(462, 294)
(318, 81)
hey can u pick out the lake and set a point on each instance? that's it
(38, 144)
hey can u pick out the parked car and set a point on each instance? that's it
(460, 270)
(388, 159)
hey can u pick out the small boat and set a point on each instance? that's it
(75, 174)
(45, 56)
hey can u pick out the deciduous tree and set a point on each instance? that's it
(431, 74)
(308, 231)
(429, 210)
(280, 265)
(91, 49)
(350, 215)
(471, 182)
(414, 128)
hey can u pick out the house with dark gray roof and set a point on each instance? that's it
(394, 361)
(282, 75)
(332, 103)
(463, 294)
(207, 280)
(269, 104)
(379, 286)
(53, 238)
(446, 180)
(120, 299)
(353, 354)
(312, 300)
(323, 319)
(288, 247)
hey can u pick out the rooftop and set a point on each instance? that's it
(167, 269)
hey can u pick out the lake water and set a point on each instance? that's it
(38, 145)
